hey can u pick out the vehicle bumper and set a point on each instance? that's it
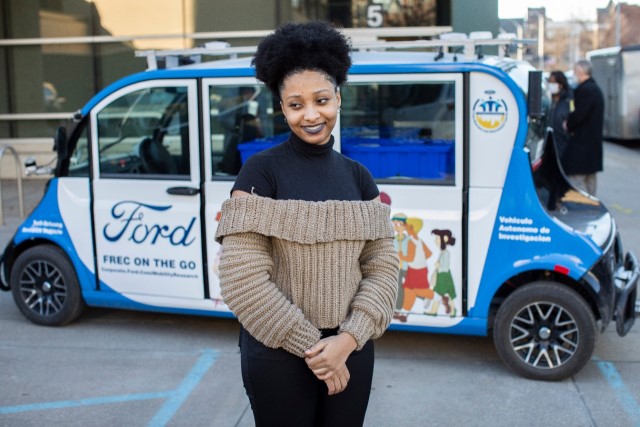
(626, 283)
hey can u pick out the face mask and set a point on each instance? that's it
(554, 88)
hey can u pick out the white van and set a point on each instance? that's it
(465, 163)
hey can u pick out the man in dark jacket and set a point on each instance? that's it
(582, 158)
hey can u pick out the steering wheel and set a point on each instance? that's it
(156, 158)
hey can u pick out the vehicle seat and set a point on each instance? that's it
(155, 158)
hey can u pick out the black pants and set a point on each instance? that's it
(284, 392)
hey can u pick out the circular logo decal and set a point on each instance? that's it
(490, 113)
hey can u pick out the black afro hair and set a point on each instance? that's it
(294, 47)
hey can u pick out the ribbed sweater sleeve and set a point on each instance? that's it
(246, 267)
(372, 307)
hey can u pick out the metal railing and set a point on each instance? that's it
(9, 148)
(371, 33)
(169, 58)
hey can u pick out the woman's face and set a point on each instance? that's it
(310, 104)
(554, 86)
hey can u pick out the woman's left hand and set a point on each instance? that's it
(338, 382)
(329, 355)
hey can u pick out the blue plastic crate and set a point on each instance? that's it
(248, 149)
(376, 132)
(426, 161)
(384, 157)
(374, 142)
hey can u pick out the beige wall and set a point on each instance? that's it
(133, 18)
(240, 14)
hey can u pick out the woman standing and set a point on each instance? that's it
(308, 264)
(560, 109)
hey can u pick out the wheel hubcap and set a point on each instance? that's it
(43, 288)
(46, 287)
(544, 335)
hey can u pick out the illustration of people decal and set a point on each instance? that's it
(416, 281)
(441, 279)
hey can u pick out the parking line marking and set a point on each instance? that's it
(627, 211)
(84, 402)
(177, 398)
(626, 400)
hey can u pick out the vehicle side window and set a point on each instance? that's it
(245, 119)
(79, 160)
(145, 132)
(401, 131)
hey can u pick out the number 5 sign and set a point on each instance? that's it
(374, 15)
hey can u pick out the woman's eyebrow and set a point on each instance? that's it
(295, 95)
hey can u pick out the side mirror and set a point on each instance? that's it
(534, 95)
(60, 142)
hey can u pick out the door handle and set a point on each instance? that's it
(183, 191)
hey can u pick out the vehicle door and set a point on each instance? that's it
(408, 131)
(241, 117)
(146, 197)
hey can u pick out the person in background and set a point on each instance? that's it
(560, 109)
(308, 264)
(583, 157)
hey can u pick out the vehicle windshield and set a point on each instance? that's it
(560, 198)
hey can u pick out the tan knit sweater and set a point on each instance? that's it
(290, 267)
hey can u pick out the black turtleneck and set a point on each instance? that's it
(296, 170)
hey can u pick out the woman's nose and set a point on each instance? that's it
(310, 113)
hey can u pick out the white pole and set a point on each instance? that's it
(540, 41)
(520, 36)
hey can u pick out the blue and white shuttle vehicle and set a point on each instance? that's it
(459, 150)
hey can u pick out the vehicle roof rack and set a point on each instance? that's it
(471, 45)
(159, 59)
(366, 40)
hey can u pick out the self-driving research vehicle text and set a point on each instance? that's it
(491, 237)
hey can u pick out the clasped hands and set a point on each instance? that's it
(327, 360)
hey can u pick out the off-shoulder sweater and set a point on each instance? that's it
(291, 267)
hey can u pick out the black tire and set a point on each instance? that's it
(45, 287)
(545, 331)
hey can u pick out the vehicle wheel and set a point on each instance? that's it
(545, 331)
(45, 287)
